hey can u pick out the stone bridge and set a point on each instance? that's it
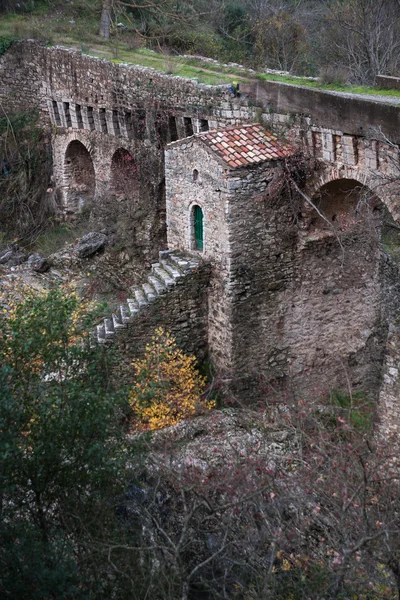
(326, 318)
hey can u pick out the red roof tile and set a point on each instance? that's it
(249, 144)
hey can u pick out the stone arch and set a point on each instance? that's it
(342, 205)
(338, 300)
(79, 176)
(124, 180)
(387, 190)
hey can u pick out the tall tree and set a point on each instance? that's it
(366, 33)
(62, 454)
(171, 10)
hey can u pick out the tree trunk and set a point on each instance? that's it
(105, 19)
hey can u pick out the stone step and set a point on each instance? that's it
(157, 284)
(117, 321)
(163, 254)
(101, 334)
(179, 263)
(140, 297)
(149, 291)
(133, 306)
(165, 277)
(109, 328)
(125, 313)
(172, 270)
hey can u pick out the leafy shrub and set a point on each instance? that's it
(62, 451)
(195, 41)
(168, 387)
(5, 42)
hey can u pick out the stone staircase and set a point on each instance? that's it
(163, 277)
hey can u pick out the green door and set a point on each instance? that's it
(198, 227)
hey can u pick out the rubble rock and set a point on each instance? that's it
(90, 244)
(38, 263)
(13, 256)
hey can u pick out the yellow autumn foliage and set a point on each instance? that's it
(168, 386)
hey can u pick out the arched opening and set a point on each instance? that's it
(124, 174)
(344, 205)
(80, 177)
(198, 228)
(195, 175)
(334, 322)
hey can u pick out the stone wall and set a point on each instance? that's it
(353, 114)
(210, 190)
(182, 311)
(306, 306)
(289, 297)
(128, 201)
(107, 107)
(282, 301)
(386, 82)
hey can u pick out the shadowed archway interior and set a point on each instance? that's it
(80, 177)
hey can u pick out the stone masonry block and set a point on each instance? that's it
(350, 155)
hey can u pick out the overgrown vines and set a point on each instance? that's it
(25, 170)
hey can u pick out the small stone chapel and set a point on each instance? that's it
(269, 314)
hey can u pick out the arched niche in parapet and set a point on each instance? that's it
(79, 176)
(124, 182)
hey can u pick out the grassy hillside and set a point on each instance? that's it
(75, 23)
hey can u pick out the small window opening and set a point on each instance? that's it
(117, 130)
(90, 118)
(67, 114)
(334, 217)
(173, 131)
(204, 125)
(198, 228)
(195, 175)
(56, 113)
(103, 121)
(161, 129)
(128, 124)
(188, 126)
(79, 119)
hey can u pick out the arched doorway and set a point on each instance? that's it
(198, 228)
(124, 174)
(80, 177)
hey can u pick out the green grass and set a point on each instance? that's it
(165, 64)
(56, 28)
(357, 409)
(334, 87)
(55, 238)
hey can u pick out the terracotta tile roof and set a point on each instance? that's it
(244, 145)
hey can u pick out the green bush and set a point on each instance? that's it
(62, 453)
(5, 42)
